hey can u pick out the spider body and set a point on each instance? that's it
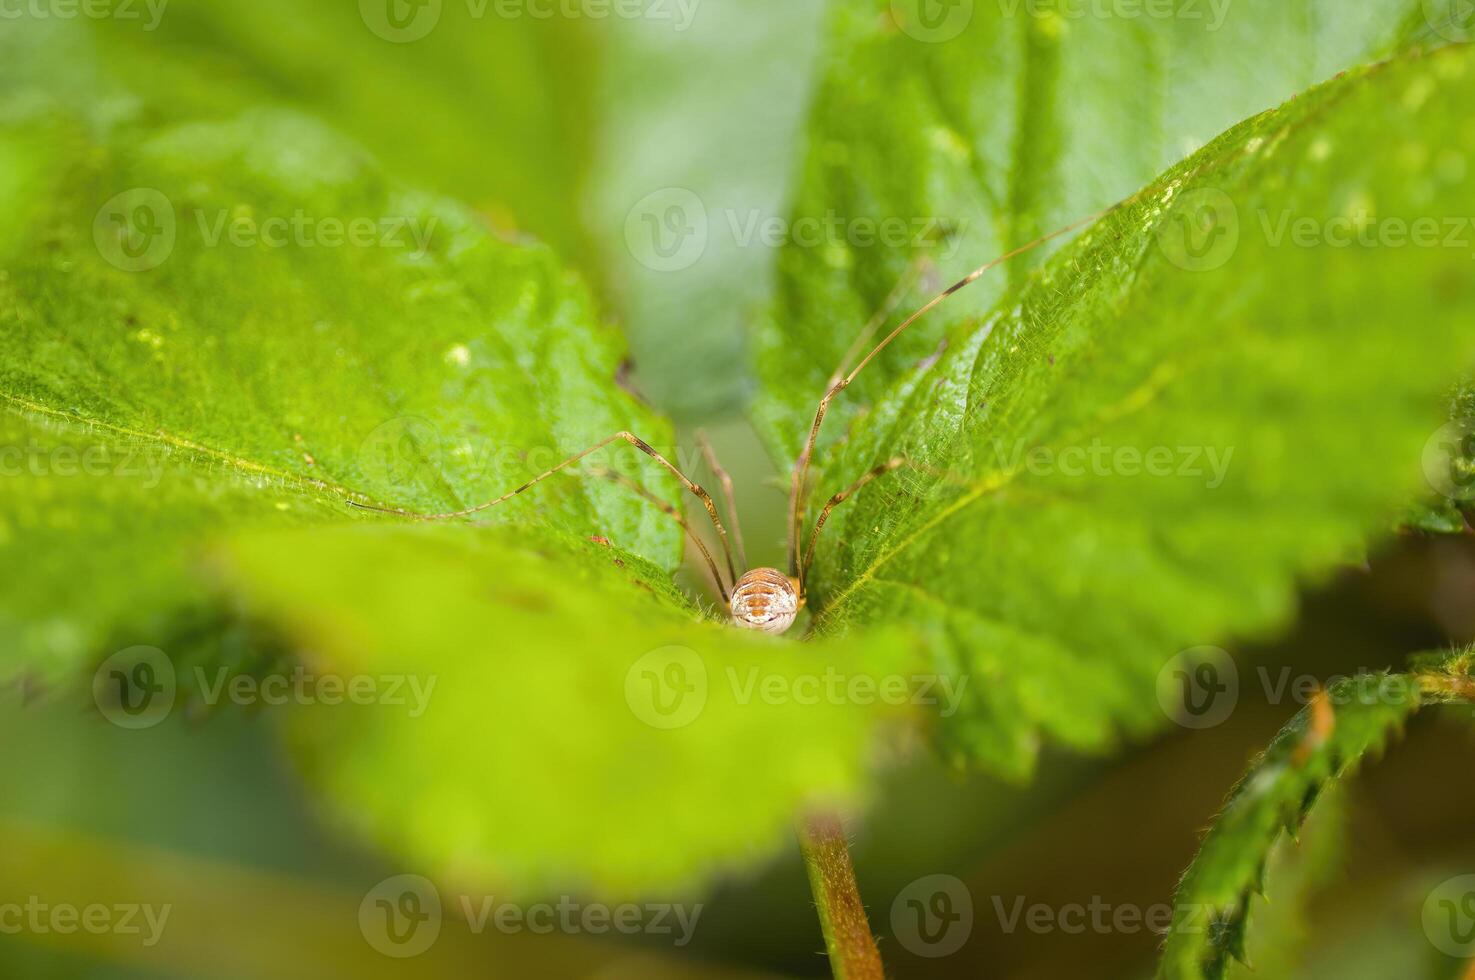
(765, 599)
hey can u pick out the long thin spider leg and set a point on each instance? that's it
(883, 313)
(672, 512)
(729, 497)
(875, 473)
(801, 465)
(629, 437)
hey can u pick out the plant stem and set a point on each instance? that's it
(842, 915)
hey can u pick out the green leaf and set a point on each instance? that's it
(1353, 721)
(1295, 877)
(1152, 445)
(953, 141)
(202, 363)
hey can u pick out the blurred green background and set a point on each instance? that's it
(557, 128)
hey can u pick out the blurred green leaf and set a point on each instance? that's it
(1353, 720)
(1176, 421)
(575, 731)
(948, 134)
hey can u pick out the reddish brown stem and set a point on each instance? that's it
(842, 915)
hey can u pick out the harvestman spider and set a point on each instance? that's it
(765, 598)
